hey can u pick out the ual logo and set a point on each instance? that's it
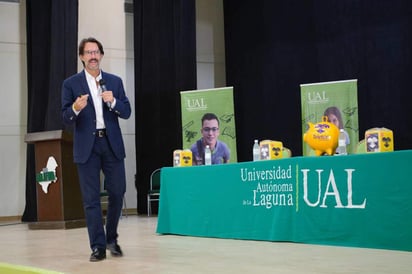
(47, 175)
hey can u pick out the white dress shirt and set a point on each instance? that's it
(95, 91)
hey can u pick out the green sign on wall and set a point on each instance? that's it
(337, 99)
(219, 101)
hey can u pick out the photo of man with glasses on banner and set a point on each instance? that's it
(210, 133)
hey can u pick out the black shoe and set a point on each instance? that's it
(98, 254)
(115, 250)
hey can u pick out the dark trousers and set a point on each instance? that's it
(102, 159)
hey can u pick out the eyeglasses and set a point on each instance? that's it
(208, 129)
(91, 52)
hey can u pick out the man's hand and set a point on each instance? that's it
(81, 102)
(107, 96)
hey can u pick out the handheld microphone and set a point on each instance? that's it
(102, 84)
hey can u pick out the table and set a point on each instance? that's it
(361, 200)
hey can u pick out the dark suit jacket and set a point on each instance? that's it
(85, 122)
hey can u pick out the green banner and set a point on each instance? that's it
(357, 200)
(339, 101)
(218, 101)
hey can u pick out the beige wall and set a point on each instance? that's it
(210, 44)
(114, 28)
(13, 112)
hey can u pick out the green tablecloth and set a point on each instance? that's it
(359, 200)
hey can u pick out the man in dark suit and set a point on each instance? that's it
(93, 107)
